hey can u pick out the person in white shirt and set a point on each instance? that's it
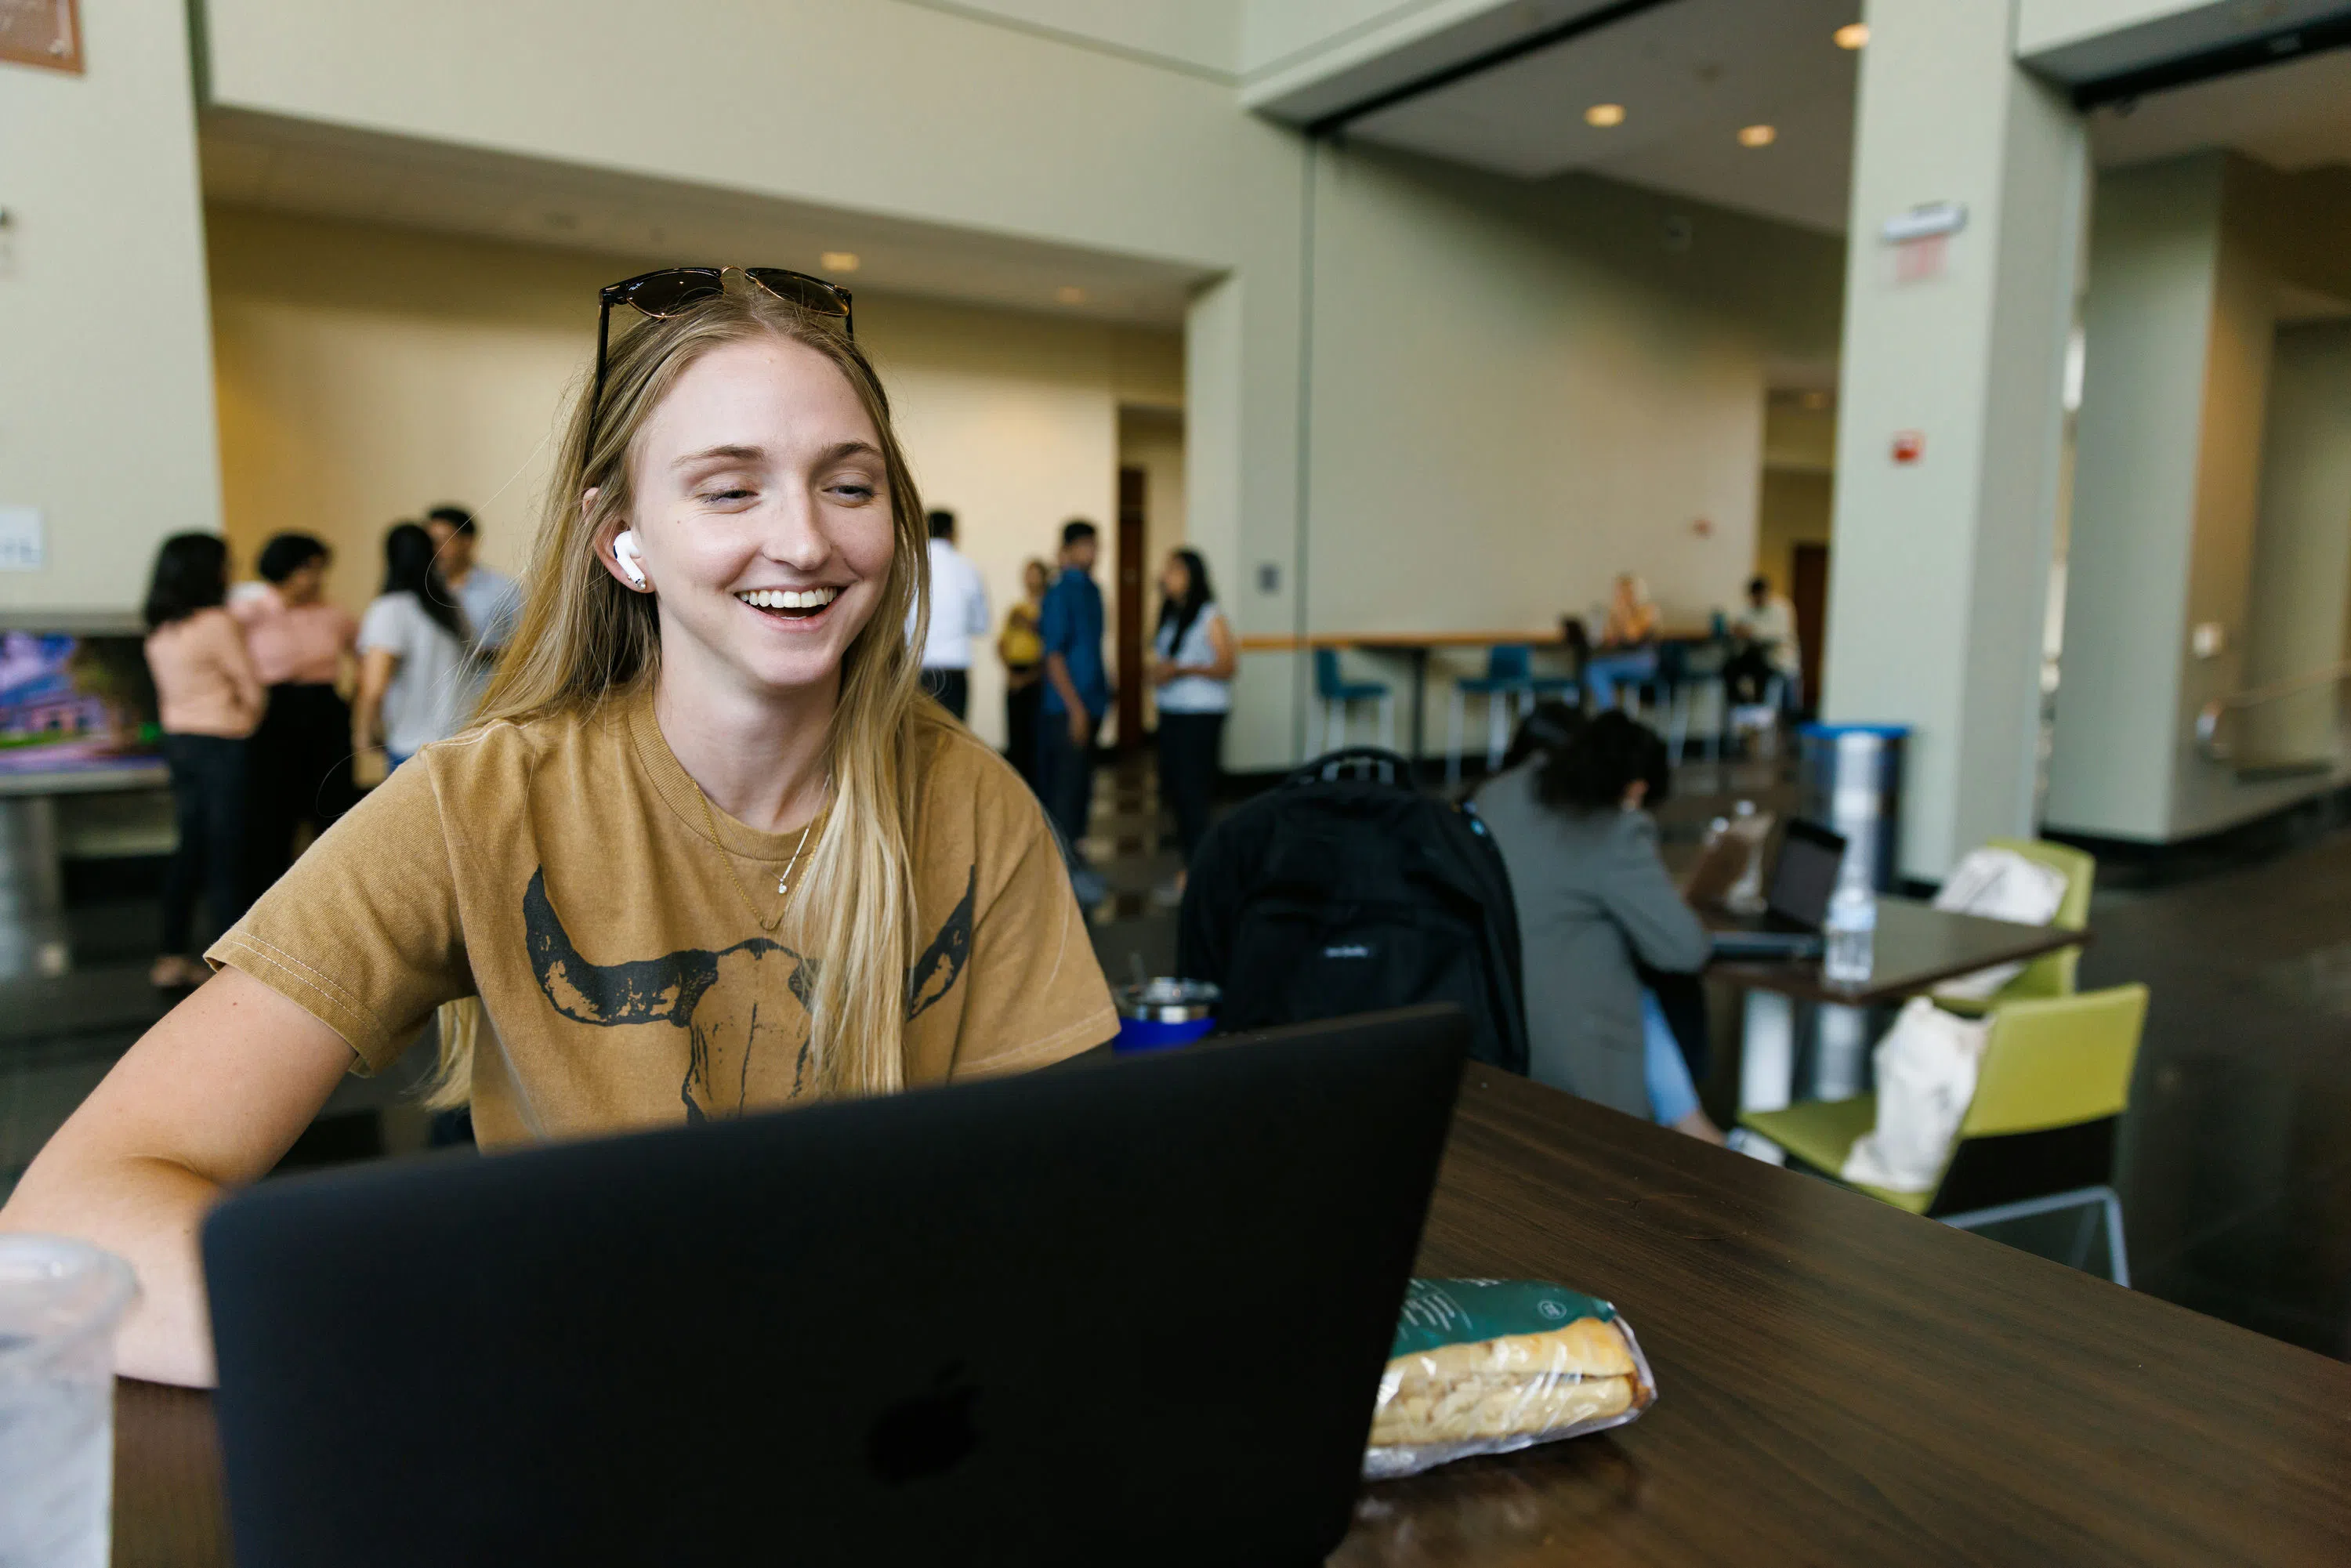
(1767, 632)
(1193, 657)
(414, 687)
(958, 613)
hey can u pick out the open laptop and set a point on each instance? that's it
(1130, 1313)
(1804, 879)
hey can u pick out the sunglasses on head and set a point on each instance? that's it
(675, 289)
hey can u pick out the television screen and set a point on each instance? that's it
(75, 705)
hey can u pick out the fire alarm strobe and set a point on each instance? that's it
(1909, 445)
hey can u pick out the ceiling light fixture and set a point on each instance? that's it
(1069, 294)
(839, 261)
(1758, 136)
(1852, 35)
(1605, 115)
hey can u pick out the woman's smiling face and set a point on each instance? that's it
(762, 517)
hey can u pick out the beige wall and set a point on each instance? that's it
(1571, 403)
(106, 419)
(2188, 259)
(2301, 544)
(366, 373)
(1794, 508)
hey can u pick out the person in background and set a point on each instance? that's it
(1023, 653)
(1077, 687)
(301, 754)
(1766, 630)
(209, 700)
(414, 687)
(1627, 649)
(491, 600)
(1593, 898)
(1192, 664)
(958, 613)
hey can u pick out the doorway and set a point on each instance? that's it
(1808, 591)
(1134, 553)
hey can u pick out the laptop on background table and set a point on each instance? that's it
(1131, 1313)
(1804, 879)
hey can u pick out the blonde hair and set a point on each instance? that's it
(583, 637)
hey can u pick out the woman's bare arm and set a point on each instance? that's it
(208, 1100)
(377, 666)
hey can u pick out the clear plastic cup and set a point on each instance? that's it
(60, 1303)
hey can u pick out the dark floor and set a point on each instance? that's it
(2236, 1161)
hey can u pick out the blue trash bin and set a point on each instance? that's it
(1852, 783)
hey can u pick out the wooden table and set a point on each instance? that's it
(1840, 1382)
(1917, 948)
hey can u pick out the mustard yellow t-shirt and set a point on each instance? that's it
(563, 871)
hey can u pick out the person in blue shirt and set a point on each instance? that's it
(1077, 689)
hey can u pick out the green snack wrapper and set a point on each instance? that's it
(1486, 1366)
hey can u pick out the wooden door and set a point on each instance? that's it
(1132, 571)
(1808, 589)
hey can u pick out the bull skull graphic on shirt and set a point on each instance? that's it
(742, 1007)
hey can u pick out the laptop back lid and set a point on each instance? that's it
(1132, 1313)
(1805, 878)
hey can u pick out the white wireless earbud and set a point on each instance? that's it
(625, 557)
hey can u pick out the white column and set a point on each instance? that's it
(1940, 568)
(106, 369)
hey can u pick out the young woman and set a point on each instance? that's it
(1593, 897)
(704, 851)
(1629, 642)
(209, 699)
(1192, 666)
(301, 754)
(1022, 648)
(414, 685)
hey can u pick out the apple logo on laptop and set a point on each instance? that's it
(926, 1435)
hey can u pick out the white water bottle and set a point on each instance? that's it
(1852, 932)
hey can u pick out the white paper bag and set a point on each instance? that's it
(1999, 884)
(1926, 1078)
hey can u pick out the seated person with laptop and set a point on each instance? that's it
(1592, 896)
(705, 850)
(1803, 880)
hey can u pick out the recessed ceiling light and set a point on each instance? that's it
(1758, 136)
(839, 261)
(1069, 294)
(1605, 115)
(1852, 35)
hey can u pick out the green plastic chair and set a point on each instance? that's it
(2038, 1137)
(2052, 974)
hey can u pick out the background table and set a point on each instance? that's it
(1841, 1383)
(1917, 948)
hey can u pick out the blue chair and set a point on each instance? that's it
(1510, 675)
(1326, 715)
(1686, 672)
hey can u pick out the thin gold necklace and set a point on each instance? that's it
(783, 882)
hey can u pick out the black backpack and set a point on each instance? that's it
(1343, 891)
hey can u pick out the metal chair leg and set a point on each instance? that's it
(1498, 728)
(1387, 720)
(2106, 1197)
(2118, 1250)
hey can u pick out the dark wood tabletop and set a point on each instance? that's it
(1838, 1383)
(1917, 947)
